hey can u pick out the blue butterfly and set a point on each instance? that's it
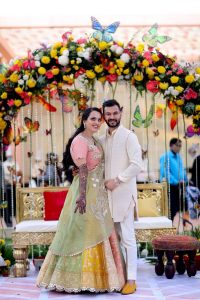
(103, 33)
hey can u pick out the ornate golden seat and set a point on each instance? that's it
(31, 229)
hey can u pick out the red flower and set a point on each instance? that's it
(111, 77)
(152, 86)
(49, 74)
(190, 94)
(81, 71)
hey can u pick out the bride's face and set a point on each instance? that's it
(93, 122)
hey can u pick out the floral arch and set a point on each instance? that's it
(55, 70)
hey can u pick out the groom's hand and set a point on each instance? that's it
(111, 184)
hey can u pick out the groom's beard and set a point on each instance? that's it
(113, 123)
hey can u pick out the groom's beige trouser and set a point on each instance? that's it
(126, 232)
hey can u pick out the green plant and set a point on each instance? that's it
(38, 251)
(6, 253)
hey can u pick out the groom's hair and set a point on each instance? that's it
(110, 103)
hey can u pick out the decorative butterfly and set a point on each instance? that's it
(48, 131)
(67, 104)
(18, 138)
(152, 39)
(139, 121)
(156, 133)
(191, 131)
(103, 33)
(30, 154)
(46, 105)
(144, 153)
(31, 126)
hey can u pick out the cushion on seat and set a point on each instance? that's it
(53, 204)
(176, 242)
(36, 226)
(153, 223)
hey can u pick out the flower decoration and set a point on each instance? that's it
(6, 257)
(90, 59)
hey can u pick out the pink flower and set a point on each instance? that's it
(179, 71)
(49, 74)
(152, 86)
(190, 94)
(111, 77)
(15, 68)
(147, 55)
(28, 64)
(10, 102)
(81, 41)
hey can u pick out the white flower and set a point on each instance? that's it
(119, 50)
(80, 53)
(113, 48)
(78, 60)
(63, 60)
(121, 77)
(125, 57)
(37, 63)
(171, 91)
(86, 55)
(36, 57)
(25, 77)
(66, 52)
(20, 81)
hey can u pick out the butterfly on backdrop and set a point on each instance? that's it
(48, 131)
(31, 126)
(29, 154)
(156, 133)
(138, 121)
(152, 39)
(191, 131)
(103, 33)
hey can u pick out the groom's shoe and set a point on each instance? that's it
(129, 288)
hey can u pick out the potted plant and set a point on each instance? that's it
(6, 256)
(38, 253)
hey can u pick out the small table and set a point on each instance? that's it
(179, 245)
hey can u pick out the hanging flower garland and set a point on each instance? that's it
(97, 58)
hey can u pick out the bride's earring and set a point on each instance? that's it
(84, 125)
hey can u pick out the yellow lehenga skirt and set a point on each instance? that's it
(85, 254)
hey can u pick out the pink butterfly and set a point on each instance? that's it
(192, 131)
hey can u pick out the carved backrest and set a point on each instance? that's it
(156, 192)
(30, 202)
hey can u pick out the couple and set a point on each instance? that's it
(85, 255)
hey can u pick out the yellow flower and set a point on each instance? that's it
(8, 263)
(163, 85)
(53, 53)
(103, 45)
(197, 108)
(138, 77)
(161, 69)
(121, 44)
(57, 45)
(174, 79)
(41, 70)
(2, 127)
(90, 74)
(179, 88)
(155, 57)
(149, 72)
(30, 94)
(126, 71)
(72, 62)
(145, 63)
(157, 78)
(118, 72)
(31, 83)
(4, 95)
(68, 79)
(45, 60)
(189, 78)
(18, 90)
(120, 63)
(111, 70)
(197, 70)
(2, 242)
(102, 79)
(14, 77)
(140, 48)
(179, 102)
(79, 49)
(62, 50)
(2, 78)
(76, 68)
(98, 68)
(55, 71)
(18, 103)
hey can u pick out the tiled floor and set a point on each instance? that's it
(150, 287)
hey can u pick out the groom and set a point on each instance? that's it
(123, 162)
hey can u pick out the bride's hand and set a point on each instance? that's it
(80, 205)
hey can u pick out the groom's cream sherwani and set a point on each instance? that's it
(123, 160)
